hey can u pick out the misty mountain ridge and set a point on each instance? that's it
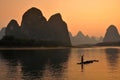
(81, 39)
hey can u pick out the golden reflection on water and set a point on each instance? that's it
(107, 68)
(61, 64)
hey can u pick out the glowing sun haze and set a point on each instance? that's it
(92, 17)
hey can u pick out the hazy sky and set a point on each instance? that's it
(92, 17)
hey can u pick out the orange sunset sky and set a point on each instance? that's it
(92, 17)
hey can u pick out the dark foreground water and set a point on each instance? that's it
(60, 64)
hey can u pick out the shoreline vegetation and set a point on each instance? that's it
(44, 48)
(50, 48)
(11, 43)
(32, 48)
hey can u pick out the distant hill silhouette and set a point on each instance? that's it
(2, 32)
(111, 38)
(34, 26)
(81, 39)
(13, 29)
(112, 34)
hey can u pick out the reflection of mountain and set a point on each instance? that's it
(112, 55)
(34, 26)
(80, 38)
(33, 63)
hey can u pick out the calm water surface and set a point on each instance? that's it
(60, 64)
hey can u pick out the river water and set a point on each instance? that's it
(60, 64)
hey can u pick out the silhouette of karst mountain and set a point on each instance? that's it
(34, 26)
(2, 33)
(112, 34)
(13, 29)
